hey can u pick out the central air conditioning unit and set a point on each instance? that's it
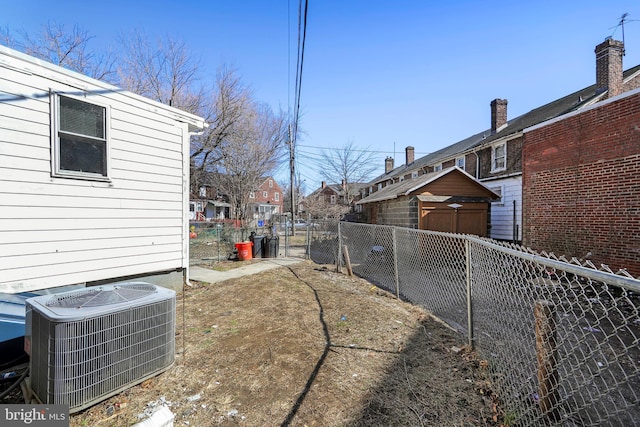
(89, 344)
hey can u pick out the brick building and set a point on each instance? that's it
(494, 156)
(266, 200)
(581, 184)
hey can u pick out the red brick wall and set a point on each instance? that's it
(271, 191)
(581, 185)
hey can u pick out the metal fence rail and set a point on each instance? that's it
(562, 340)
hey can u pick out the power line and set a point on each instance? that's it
(362, 150)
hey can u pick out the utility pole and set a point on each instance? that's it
(293, 184)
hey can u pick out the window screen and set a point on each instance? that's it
(81, 144)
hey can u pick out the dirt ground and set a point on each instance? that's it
(306, 346)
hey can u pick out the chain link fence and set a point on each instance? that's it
(561, 338)
(215, 241)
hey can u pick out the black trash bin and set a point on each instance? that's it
(270, 246)
(258, 246)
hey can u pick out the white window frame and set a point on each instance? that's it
(495, 167)
(203, 192)
(460, 162)
(333, 199)
(56, 169)
(437, 168)
(265, 194)
(276, 196)
(499, 190)
(414, 174)
(270, 183)
(252, 194)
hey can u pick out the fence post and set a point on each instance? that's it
(395, 262)
(308, 236)
(339, 260)
(467, 251)
(347, 260)
(544, 313)
(286, 236)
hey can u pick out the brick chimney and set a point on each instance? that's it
(410, 155)
(498, 114)
(388, 164)
(609, 67)
(324, 184)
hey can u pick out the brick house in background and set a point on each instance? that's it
(494, 156)
(581, 183)
(266, 200)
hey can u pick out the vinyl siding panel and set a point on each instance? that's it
(57, 231)
(502, 225)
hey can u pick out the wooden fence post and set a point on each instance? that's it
(347, 260)
(546, 353)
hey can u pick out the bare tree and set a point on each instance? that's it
(228, 101)
(165, 71)
(347, 166)
(318, 207)
(250, 152)
(6, 38)
(66, 48)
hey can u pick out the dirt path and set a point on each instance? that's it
(305, 346)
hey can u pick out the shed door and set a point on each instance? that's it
(473, 221)
(438, 220)
(466, 221)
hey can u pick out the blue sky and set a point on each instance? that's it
(380, 74)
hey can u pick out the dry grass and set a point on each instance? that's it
(305, 346)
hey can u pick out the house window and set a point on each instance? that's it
(460, 162)
(203, 192)
(414, 174)
(276, 196)
(402, 179)
(265, 194)
(79, 139)
(499, 191)
(437, 168)
(252, 194)
(379, 186)
(499, 157)
(333, 199)
(270, 183)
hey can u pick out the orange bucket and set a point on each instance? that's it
(244, 250)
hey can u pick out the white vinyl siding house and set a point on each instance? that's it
(503, 226)
(65, 220)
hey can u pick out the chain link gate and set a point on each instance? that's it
(561, 339)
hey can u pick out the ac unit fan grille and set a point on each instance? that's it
(98, 297)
